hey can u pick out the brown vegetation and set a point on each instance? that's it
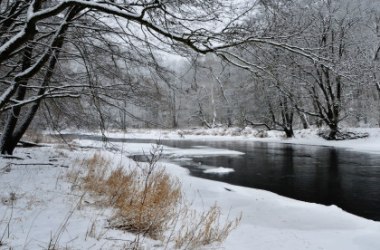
(147, 201)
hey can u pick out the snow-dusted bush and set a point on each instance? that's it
(261, 134)
(248, 131)
(234, 131)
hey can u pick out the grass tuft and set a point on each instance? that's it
(205, 228)
(147, 201)
(144, 198)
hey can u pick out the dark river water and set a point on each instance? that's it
(325, 175)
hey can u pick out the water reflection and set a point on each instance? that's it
(323, 175)
(287, 170)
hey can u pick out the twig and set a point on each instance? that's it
(33, 164)
(11, 157)
(117, 239)
(27, 144)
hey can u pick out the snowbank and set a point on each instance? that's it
(219, 170)
(303, 137)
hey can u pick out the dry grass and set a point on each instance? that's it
(200, 229)
(149, 204)
(147, 201)
(96, 171)
(145, 198)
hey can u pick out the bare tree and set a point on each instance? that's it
(329, 29)
(37, 35)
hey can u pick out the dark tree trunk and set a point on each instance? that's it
(287, 118)
(333, 132)
(289, 132)
(12, 135)
(7, 143)
(24, 125)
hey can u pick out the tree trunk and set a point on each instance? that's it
(21, 129)
(305, 123)
(6, 137)
(12, 135)
(289, 132)
(7, 144)
(333, 132)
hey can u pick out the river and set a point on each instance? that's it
(325, 175)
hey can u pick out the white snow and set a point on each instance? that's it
(302, 137)
(43, 201)
(200, 151)
(219, 170)
(144, 148)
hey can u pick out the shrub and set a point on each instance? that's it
(147, 201)
(199, 229)
(144, 198)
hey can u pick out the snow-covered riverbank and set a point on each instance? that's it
(303, 137)
(39, 205)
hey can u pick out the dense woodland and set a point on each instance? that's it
(278, 64)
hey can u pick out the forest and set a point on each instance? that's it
(275, 64)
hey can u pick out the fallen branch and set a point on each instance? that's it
(33, 164)
(11, 157)
(27, 144)
(40, 164)
(256, 124)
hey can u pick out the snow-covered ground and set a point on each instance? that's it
(39, 206)
(304, 137)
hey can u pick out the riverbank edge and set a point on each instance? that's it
(309, 137)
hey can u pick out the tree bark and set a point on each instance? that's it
(12, 135)
(333, 132)
(6, 141)
(289, 132)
